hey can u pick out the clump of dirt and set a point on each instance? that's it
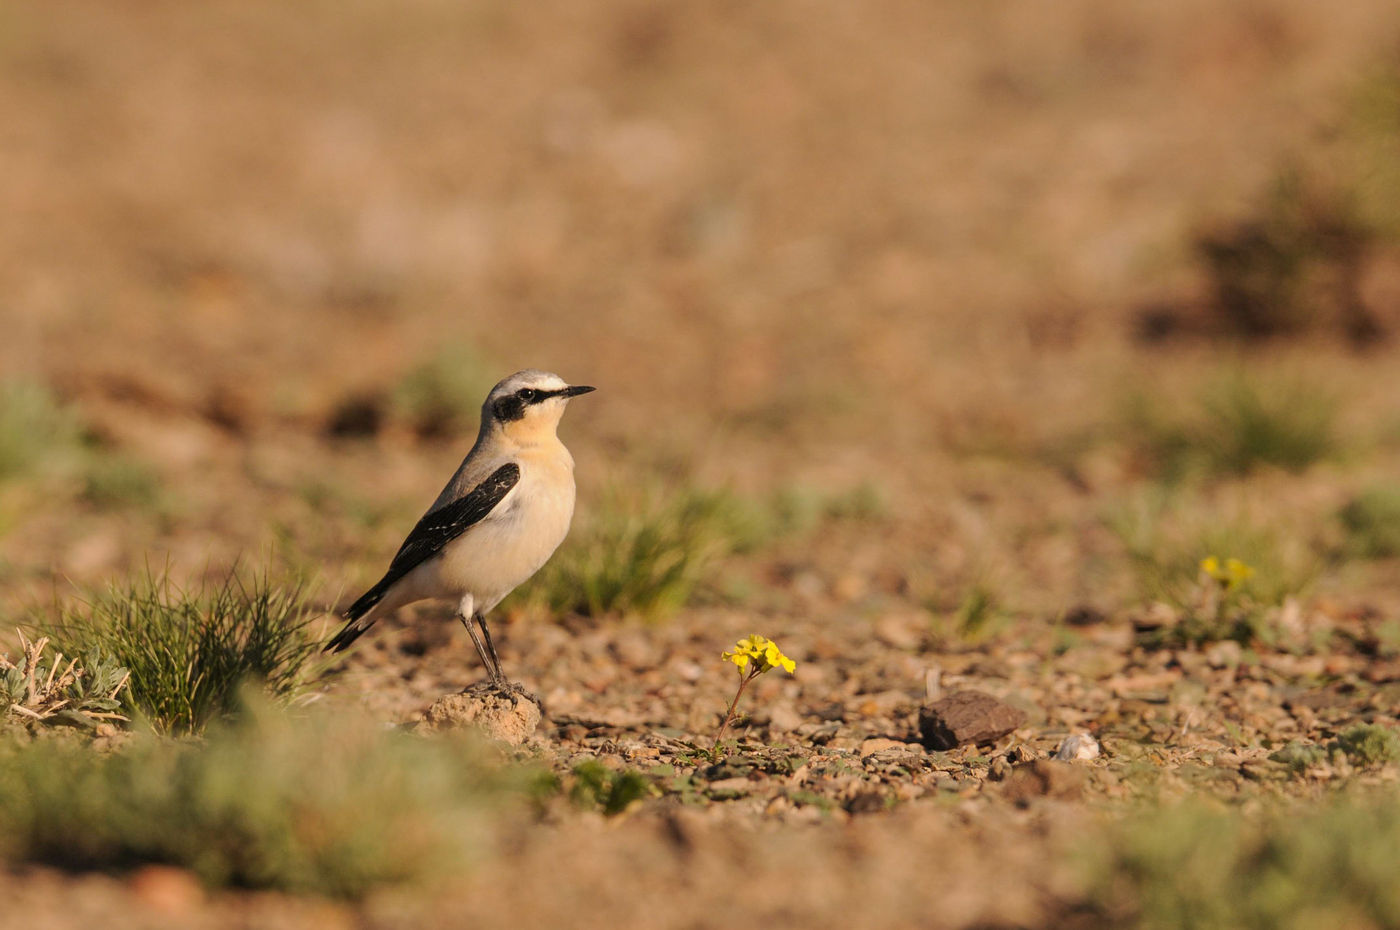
(508, 718)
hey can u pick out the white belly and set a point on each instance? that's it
(492, 558)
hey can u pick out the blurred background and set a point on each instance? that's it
(1030, 304)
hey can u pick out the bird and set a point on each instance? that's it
(499, 519)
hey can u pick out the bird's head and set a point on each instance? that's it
(527, 406)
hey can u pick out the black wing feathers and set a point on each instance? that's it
(432, 533)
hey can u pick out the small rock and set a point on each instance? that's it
(867, 802)
(1045, 778)
(875, 744)
(731, 787)
(1157, 616)
(967, 717)
(1084, 615)
(1224, 654)
(1078, 746)
(1021, 753)
(496, 715)
(999, 769)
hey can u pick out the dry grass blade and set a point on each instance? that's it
(54, 692)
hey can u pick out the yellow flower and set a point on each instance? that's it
(1231, 574)
(762, 651)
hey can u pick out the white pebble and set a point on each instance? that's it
(1078, 746)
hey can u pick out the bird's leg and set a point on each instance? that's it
(493, 670)
(490, 647)
(499, 683)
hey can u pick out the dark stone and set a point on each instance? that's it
(867, 802)
(1084, 615)
(967, 717)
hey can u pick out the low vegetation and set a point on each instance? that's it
(35, 430)
(1233, 427)
(190, 650)
(1168, 540)
(441, 396)
(648, 555)
(1371, 520)
(1206, 867)
(45, 443)
(43, 688)
(328, 804)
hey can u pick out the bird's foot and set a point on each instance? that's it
(508, 689)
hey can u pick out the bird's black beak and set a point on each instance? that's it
(575, 390)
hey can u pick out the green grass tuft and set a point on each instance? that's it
(1372, 522)
(190, 651)
(328, 804)
(1235, 427)
(1166, 538)
(647, 558)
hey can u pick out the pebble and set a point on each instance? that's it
(875, 744)
(967, 717)
(1078, 746)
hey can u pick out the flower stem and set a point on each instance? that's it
(729, 714)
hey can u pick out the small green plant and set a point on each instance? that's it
(751, 656)
(328, 804)
(1369, 744)
(116, 481)
(975, 615)
(43, 689)
(1372, 522)
(1237, 425)
(612, 791)
(189, 651)
(1219, 606)
(1299, 756)
(1287, 425)
(647, 555)
(441, 397)
(35, 430)
(645, 560)
(1166, 540)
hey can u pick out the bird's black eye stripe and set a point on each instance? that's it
(535, 395)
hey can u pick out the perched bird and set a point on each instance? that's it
(498, 520)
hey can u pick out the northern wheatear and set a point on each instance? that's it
(498, 520)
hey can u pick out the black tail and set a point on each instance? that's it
(357, 627)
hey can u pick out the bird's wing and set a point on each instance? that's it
(437, 528)
(441, 526)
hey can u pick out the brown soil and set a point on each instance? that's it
(893, 244)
